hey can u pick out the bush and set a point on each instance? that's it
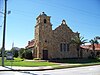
(21, 53)
(15, 53)
(25, 53)
(18, 59)
(28, 54)
(37, 59)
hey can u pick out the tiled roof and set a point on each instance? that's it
(97, 47)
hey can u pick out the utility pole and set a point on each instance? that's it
(4, 30)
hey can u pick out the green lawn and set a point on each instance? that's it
(76, 63)
(20, 62)
(28, 63)
(73, 62)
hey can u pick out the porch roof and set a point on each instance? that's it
(89, 47)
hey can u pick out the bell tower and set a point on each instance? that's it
(43, 34)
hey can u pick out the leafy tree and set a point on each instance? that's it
(28, 54)
(25, 53)
(15, 52)
(78, 41)
(93, 42)
(21, 53)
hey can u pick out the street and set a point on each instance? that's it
(90, 70)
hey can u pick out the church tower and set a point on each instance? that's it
(43, 36)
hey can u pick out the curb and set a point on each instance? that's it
(45, 68)
(27, 70)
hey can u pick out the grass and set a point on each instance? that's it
(28, 63)
(20, 62)
(71, 62)
(76, 63)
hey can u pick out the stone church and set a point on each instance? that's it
(50, 44)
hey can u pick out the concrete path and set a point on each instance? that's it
(8, 68)
(40, 68)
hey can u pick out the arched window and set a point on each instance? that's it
(45, 21)
(63, 47)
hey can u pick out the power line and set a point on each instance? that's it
(25, 13)
(70, 7)
(63, 7)
(21, 12)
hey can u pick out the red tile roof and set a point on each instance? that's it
(97, 47)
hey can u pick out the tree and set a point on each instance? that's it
(97, 37)
(28, 54)
(15, 52)
(93, 42)
(21, 53)
(25, 53)
(78, 41)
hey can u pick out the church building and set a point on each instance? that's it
(49, 43)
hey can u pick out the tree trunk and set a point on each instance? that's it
(81, 53)
(78, 51)
(93, 51)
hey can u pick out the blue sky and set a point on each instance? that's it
(80, 15)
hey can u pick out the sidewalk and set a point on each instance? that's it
(16, 68)
(40, 68)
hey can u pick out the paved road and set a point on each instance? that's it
(91, 70)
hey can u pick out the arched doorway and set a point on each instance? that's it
(45, 54)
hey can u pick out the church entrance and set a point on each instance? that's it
(45, 54)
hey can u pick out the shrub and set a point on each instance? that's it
(28, 54)
(15, 53)
(18, 59)
(21, 53)
(37, 59)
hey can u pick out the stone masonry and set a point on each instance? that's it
(50, 44)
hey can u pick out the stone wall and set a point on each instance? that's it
(63, 34)
(48, 39)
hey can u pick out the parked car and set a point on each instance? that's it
(9, 56)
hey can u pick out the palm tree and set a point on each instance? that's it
(78, 41)
(93, 42)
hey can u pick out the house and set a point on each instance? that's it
(30, 44)
(87, 50)
(51, 44)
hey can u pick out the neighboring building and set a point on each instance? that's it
(48, 43)
(87, 50)
(30, 44)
